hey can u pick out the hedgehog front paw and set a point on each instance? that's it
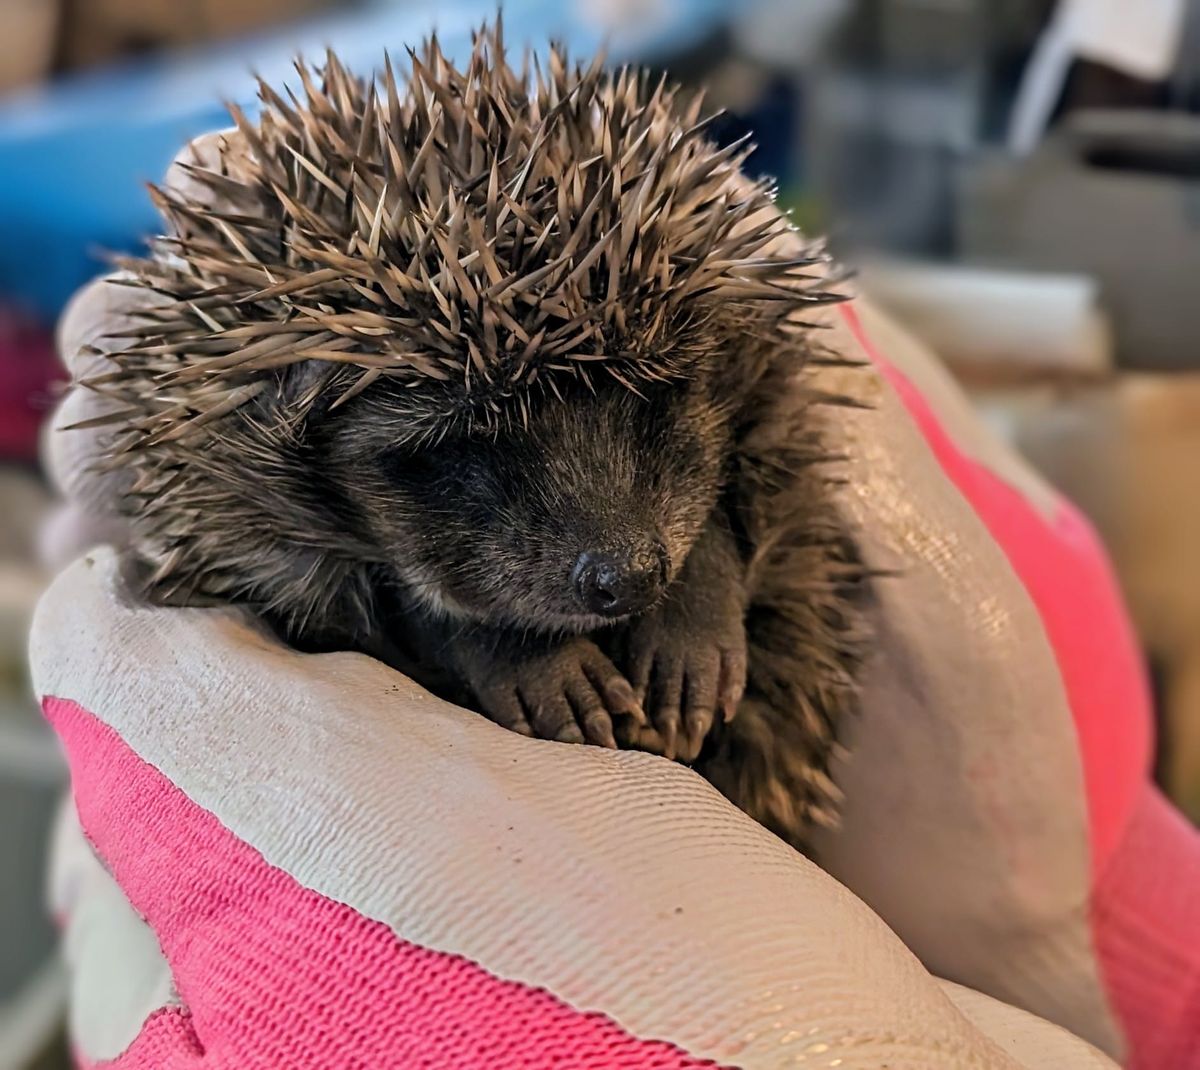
(570, 693)
(686, 673)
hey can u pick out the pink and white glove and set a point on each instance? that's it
(313, 864)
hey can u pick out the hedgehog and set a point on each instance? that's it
(501, 375)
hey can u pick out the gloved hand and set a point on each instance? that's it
(337, 869)
(1005, 741)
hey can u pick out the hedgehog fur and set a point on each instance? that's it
(474, 246)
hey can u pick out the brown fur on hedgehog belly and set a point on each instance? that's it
(404, 348)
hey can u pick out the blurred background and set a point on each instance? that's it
(1018, 181)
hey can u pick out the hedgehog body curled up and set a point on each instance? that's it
(498, 375)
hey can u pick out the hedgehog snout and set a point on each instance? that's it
(617, 583)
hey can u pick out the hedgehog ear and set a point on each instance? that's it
(302, 385)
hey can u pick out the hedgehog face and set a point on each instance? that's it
(579, 516)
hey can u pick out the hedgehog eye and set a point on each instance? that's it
(421, 462)
(407, 462)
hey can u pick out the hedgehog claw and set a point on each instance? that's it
(570, 692)
(689, 669)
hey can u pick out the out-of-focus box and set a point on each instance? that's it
(1114, 195)
(99, 30)
(28, 32)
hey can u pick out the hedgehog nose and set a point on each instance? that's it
(616, 584)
